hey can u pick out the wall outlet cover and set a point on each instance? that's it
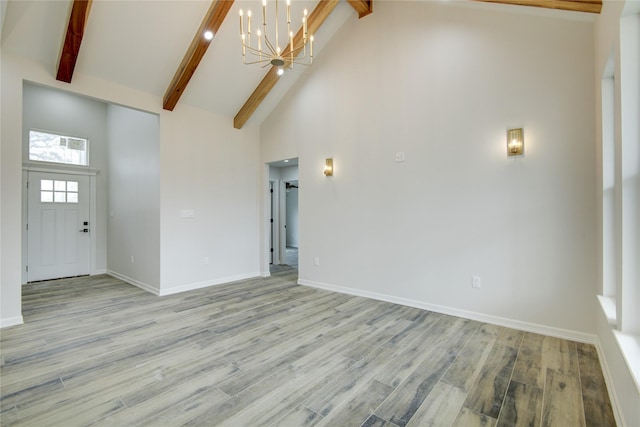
(476, 282)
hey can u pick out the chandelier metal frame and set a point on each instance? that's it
(272, 54)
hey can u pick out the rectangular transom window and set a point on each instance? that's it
(50, 147)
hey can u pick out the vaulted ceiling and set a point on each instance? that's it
(158, 46)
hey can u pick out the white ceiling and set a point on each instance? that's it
(140, 44)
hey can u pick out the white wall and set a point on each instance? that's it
(286, 173)
(289, 173)
(134, 196)
(10, 195)
(442, 83)
(61, 112)
(211, 169)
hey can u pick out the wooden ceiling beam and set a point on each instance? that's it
(322, 10)
(363, 7)
(73, 39)
(590, 6)
(213, 19)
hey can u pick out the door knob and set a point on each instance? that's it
(84, 230)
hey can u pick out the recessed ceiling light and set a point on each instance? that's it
(286, 161)
(208, 35)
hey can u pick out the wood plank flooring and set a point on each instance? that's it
(267, 352)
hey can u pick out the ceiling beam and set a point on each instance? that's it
(363, 7)
(590, 6)
(73, 39)
(322, 10)
(199, 45)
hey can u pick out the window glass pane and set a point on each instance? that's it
(46, 196)
(49, 147)
(60, 186)
(60, 197)
(72, 186)
(46, 184)
(72, 197)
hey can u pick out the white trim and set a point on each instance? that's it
(55, 168)
(25, 236)
(629, 346)
(265, 221)
(282, 220)
(608, 306)
(93, 223)
(480, 317)
(11, 321)
(99, 272)
(278, 257)
(206, 284)
(608, 379)
(134, 282)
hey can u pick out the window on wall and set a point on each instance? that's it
(609, 220)
(56, 148)
(629, 284)
(54, 191)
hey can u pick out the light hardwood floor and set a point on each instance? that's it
(267, 352)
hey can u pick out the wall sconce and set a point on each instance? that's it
(328, 167)
(515, 142)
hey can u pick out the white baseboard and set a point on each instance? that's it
(608, 379)
(207, 283)
(98, 272)
(480, 317)
(134, 282)
(11, 321)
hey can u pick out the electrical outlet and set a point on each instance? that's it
(476, 282)
(206, 260)
(131, 259)
(316, 261)
(400, 156)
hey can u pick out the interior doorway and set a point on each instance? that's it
(284, 242)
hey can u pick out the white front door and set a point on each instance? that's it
(58, 226)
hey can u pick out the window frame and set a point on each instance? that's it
(60, 135)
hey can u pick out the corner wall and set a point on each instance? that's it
(134, 196)
(209, 196)
(442, 84)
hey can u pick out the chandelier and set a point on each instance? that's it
(267, 50)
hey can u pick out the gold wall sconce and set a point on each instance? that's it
(328, 167)
(515, 142)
